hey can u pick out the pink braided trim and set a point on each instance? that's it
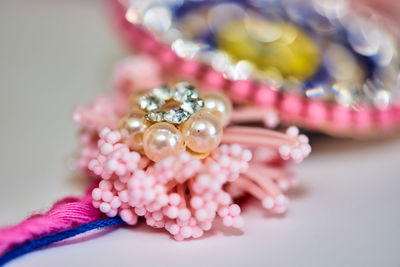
(65, 213)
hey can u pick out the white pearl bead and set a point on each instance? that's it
(162, 140)
(218, 105)
(133, 126)
(202, 132)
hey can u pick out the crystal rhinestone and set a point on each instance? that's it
(155, 116)
(150, 103)
(176, 116)
(185, 49)
(158, 18)
(193, 106)
(163, 93)
(185, 91)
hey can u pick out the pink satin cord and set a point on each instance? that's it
(66, 213)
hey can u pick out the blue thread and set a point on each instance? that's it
(53, 238)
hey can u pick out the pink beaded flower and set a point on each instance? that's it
(173, 155)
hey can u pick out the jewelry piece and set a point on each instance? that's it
(324, 67)
(178, 173)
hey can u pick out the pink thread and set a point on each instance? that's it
(66, 213)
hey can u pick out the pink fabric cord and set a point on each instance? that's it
(66, 213)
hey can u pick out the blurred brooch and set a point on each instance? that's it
(324, 67)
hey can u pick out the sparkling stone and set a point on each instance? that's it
(157, 18)
(155, 116)
(185, 49)
(163, 93)
(176, 116)
(193, 106)
(150, 103)
(185, 91)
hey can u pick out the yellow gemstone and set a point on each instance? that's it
(270, 47)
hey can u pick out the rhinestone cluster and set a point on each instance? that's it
(184, 93)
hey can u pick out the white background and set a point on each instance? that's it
(56, 54)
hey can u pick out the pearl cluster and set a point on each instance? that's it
(195, 125)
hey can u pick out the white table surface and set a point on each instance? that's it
(56, 54)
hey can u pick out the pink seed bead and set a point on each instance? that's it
(103, 133)
(113, 137)
(268, 203)
(201, 215)
(223, 212)
(206, 225)
(96, 194)
(107, 196)
(149, 195)
(157, 215)
(150, 221)
(105, 207)
(197, 232)
(118, 185)
(341, 117)
(179, 237)
(106, 149)
(190, 68)
(112, 213)
(140, 211)
(168, 57)
(174, 229)
(292, 131)
(211, 206)
(174, 199)
(105, 185)
(184, 214)
(265, 96)
(241, 90)
(384, 119)
(127, 215)
(162, 200)
(234, 210)
(123, 196)
(115, 202)
(213, 79)
(172, 212)
(362, 120)
(316, 113)
(291, 105)
(186, 231)
(196, 202)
